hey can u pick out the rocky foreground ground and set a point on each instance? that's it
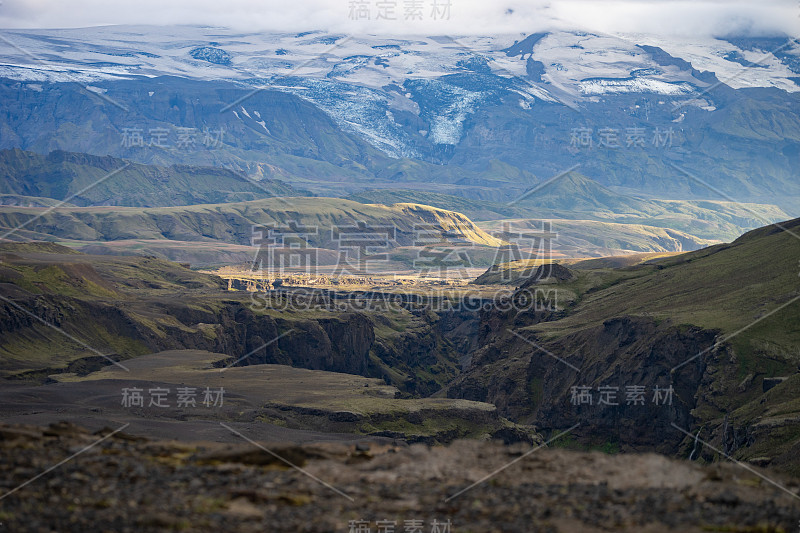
(127, 483)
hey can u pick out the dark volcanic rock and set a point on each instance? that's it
(532, 385)
(548, 272)
(122, 485)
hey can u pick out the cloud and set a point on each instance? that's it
(687, 18)
(455, 17)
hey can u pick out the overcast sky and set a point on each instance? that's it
(681, 17)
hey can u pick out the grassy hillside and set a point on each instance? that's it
(596, 238)
(516, 272)
(88, 180)
(232, 223)
(723, 287)
(474, 209)
(303, 399)
(721, 324)
(576, 197)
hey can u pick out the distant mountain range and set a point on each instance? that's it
(483, 117)
(232, 232)
(164, 209)
(576, 197)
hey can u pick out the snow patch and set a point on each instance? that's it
(635, 85)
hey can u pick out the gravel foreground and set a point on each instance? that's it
(128, 483)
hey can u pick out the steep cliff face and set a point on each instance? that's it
(612, 379)
(603, 378)
(450, 221)
(340, 344)
(621, 354)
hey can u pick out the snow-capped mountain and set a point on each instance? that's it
(355, 79)
(570, 61)
(460, 101)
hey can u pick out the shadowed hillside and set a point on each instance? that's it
(87, 180)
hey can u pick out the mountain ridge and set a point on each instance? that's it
(232, 223)
(91, 180)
